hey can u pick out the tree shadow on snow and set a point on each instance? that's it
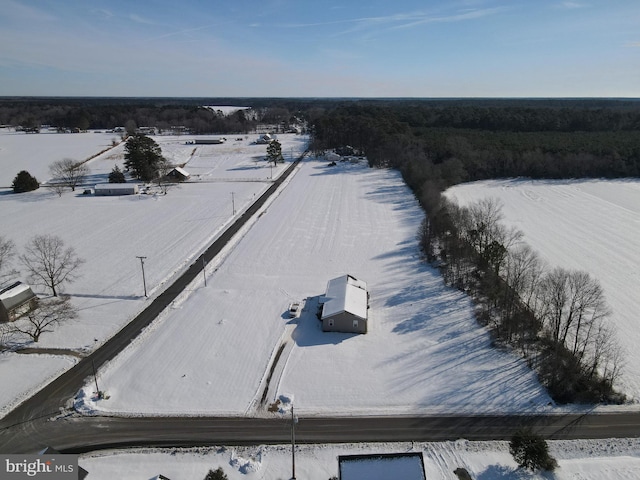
(502, 472)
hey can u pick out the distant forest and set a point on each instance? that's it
(440, 141)
(161, 113)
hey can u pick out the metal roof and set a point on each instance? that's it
(345, 294)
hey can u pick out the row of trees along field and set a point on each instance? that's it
(555, 318)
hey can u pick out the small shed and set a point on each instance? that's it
(264, 139)
(116, 189)
(179, 174)
(16, 300)
(209, 141)
(345, 305)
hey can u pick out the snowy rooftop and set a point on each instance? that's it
(15, 294)
(345, 294)
(182, 171)
(115, 186)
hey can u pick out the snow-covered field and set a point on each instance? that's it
(424, 351)
(577, 460)
(588, 225)
(35, 152)
(109, 232)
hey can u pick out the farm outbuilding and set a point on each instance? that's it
(265, 139)
(345, 306)
(16, 300)
(179, 174)
(117, 189)
(209, 141)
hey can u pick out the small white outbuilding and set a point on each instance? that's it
(116, 189)
(16, 300)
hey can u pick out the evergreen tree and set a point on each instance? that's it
(142, 156)
(274, 152)
(531, 451)
(217, 474)
(24, 182)
(116, 176)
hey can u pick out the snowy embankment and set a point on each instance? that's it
(110, 232)
(588, 225)
(424, 352)
(583, 459)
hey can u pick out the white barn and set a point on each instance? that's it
(345, 307)
(117, 189)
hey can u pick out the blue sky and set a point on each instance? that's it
(346, 48)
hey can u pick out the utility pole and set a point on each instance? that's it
(95, 378)
(204, 271)
(293, 444)
(233, 203)
(144, 282)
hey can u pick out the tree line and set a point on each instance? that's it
(556, 318)
(162, 114)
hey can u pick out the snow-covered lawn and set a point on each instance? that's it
(584, 460)
(34, 152)
(109, 232)
(424, 351)
(589, 225)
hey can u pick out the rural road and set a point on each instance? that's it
(46, 419)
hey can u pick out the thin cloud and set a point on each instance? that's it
(401, 20)
(15, 11)
(461, 17)
(570, 5)
(139, 19)
(633, 45)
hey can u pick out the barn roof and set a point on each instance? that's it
(345, 294)
(182, 172)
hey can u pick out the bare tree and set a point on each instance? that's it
(50, 313)
(7, 250)
(572, 303)
(487, 235)
(49, 263)
(68, 173)
(164, 168)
